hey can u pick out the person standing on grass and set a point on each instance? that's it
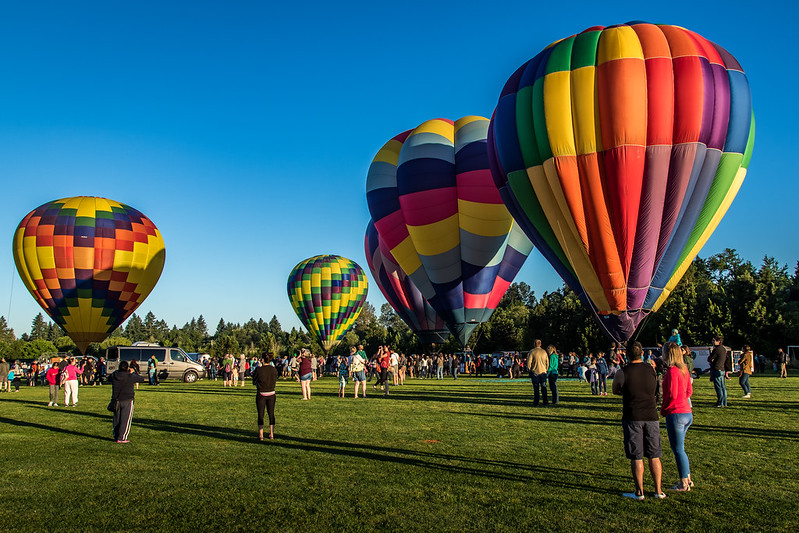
(636, 383)
(242, 368)
(747, 365)
(52, 381)
(719, 365)
(227, 371)
(394, 362)
(676, 408)
(306, 373)
(782, 362)
(343, 372)
(602, 375)
(383, 363)
(264, 378)
(538, 362)
(402, 366)
(358, 371)
(152, 370)
(4, 370)
(552, 373)
(69, 377)
(122, 382)
(134, 366)
(439, 365)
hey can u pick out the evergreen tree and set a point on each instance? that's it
(202, 327)
(6, 333)
(39, 328)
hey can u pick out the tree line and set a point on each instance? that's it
(723, 294)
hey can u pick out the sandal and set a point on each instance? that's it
(679, 487)
(660, 495)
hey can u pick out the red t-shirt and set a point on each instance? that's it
(677, 390)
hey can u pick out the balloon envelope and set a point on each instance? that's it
(619, 150)
(401, 293)
(89, 262)
(327, 293)
(436, 208)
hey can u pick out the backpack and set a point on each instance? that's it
(63, 376)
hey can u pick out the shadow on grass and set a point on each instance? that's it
(451, 463)
(25, 424)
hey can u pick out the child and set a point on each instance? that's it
(342, 375)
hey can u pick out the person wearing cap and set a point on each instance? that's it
(636, 384)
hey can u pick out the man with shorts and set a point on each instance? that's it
(358, 370)
(636, 383)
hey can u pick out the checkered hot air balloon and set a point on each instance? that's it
(327, 293)
(89, 262)
(401, 293)
(618, 151)
(436, 208)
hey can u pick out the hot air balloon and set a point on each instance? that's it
(327, 293)
(89, 262)
(618, 151)
(401, 293)
(436, 208)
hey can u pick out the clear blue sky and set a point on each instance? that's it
(244, 129)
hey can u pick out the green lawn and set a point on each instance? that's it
(465, 455)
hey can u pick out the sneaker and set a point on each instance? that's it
(747, 395)
(55, 405)
(50, 404)
(660, 495)
(634, 496)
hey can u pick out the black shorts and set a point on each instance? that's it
(642, 439)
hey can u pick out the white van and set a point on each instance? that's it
(173, 363)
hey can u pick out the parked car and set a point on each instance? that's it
(173, 363)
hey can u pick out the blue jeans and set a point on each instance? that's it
(677, 425)
(439, 372)
(152, 378)
(721, 387)
(602, 384)
(539, 387)
(744, 382)
(553, 387)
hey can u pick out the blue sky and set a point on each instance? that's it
(245, 130)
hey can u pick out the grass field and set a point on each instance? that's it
(465, 455)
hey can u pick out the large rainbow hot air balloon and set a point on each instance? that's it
(401, 293)
(327, 293)
(619, 150)
(436, 208)
(89, 262)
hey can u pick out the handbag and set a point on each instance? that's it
(112, 405)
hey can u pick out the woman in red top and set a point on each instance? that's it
(676, 408)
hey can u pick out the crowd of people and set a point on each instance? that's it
(658, 379)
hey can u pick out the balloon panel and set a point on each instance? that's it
(438, 213)
(401, 293)
(89, 262)
(327, 293)
(618, 150)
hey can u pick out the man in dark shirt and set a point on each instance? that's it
(636, 383)
(122, 383)
(719, 364)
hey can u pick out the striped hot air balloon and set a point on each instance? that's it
(618, 151)
(327, 293)
(401, 293)
(89, 262)
(437, 210)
